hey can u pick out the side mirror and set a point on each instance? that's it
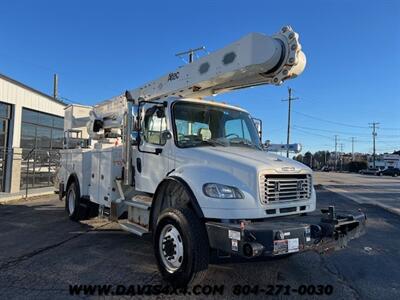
(166, 135)
(134, 138)
(258, 125)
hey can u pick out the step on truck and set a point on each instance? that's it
(166, 159)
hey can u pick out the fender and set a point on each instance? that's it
(73, 177)
(157, 198)
(243, 178)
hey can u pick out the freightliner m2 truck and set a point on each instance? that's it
(165, 159)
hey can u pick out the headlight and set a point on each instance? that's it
(216, 190)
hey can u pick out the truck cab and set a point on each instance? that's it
(216, 150)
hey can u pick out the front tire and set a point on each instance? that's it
(73, 203)
(181, 247)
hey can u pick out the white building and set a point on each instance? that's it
(392, 160)
(384, 161)
(31, 131)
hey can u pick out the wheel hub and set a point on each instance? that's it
(171, 248)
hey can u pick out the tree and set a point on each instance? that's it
(307, 159)
(299, 158)
(321, 158)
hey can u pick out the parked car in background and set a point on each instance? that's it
(326, 169)
(370, 171)
(390, 172)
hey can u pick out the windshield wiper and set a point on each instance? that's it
(244, 142)
(213, 142)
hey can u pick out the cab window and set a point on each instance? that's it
(236, 128)
(154, 125)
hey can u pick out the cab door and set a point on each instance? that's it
(154, 152)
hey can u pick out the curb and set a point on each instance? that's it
(19, 197)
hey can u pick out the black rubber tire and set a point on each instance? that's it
(195, 244)
(80, 208)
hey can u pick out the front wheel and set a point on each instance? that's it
(181, 247)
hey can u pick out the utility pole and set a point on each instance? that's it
(55, 86)
(374, 126)
(336, 143)
(341, 157)
(289, 99)
(352, 148)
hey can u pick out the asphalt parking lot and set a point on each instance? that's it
(383, 191)
(42, 252)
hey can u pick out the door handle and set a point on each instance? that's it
(139, 165)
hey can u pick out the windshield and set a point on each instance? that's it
(199, 124)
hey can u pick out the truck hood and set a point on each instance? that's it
(253, 158)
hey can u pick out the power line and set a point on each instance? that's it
(325, 136)
(300, 128)
(306, 133)
(334, 131)
(341, 124)
(324, 120)
(312, 133)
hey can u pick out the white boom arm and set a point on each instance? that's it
(255, 59)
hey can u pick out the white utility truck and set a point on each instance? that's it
(161, 159)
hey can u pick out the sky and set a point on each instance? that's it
(101, 48)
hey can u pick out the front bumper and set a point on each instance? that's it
(282, 235)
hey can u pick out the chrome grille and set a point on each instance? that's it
(280, 188)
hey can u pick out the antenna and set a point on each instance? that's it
(191, 53)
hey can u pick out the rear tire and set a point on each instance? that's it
(181, 247)
(76, 209)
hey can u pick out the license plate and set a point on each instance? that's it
(286, 246)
